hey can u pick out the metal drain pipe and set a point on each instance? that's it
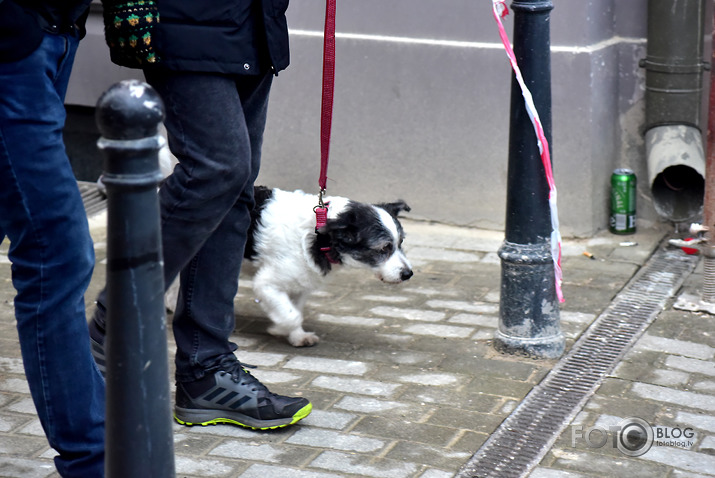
(706, 231)
(674, 79)
(708, 294)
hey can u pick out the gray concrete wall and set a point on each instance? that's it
(422, 106)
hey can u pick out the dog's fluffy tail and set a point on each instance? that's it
(261, 196)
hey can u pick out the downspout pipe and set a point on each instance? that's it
(674, 86)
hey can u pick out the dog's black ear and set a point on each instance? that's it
(344, 228)
(394, 208)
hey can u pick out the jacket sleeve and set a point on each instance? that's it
(20, 33)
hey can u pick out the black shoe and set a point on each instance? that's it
(233, 395)
(96, 340)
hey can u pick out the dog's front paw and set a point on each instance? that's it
(296, 337)
(300, 338)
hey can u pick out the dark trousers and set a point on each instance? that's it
(215, 127)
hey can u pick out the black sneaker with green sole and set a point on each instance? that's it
(232, 395)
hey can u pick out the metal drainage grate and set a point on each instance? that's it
(531, 429)
(94, 200)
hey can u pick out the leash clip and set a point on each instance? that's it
(321, 212)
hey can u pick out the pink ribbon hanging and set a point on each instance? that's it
(500, 10)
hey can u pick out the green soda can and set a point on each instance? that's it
(623, 201)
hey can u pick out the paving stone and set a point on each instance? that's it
(10, 422)
(437, 330)
(708, 445)
(483, 335)
(215, 431)
(12, 467)
(266, 471)
(433, 396)
(417, 254)
(409, 314)
(351, 320)
(679, 397)
(705, 386)
(324, 365)
(669, 377)
(682, 459)
(541, 472)
(390, 299)
(20, 445)
(676, 347)
(615, 464)
(203, 467)
(11, 365)
(24, 405)
(489, 321)
(487, 365)
(638, 364)
(588, 300)
(428, 234)
(576, 317)
(628, 406)
(468, 420)
(699, 421)
(389, 428)
(33, 427)
(194, 445)
(369, 405)
(696, 328)
(322, 399)
(466, 306)
(418, 453)
(501, 387)
(691, 365)
(329, 419)
(328, 439)
(673, 324)
(260, 359)
(397, 357)
(436, 474)
(468, 441)
(614, 387)
(269, 453)
(432, 379)
(427, 292)
(364, 387)
(16, 385)
(687, 474)
(273, 377)
(355, 464)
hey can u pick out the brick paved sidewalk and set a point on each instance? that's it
(405, 382)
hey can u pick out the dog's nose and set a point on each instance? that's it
(406, 274)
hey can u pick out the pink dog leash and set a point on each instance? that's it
(326, 114)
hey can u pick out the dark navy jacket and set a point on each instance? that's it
(223, 36)
(22, 23)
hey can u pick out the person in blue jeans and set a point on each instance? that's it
(214, 65)
(41, 213)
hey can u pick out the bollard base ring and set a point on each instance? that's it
(542, 347)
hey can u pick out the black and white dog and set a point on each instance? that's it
(292, 259)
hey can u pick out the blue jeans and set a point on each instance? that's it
(215, 127)
(52, 256)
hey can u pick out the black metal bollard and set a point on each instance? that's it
(529, 309)
(139, 439)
